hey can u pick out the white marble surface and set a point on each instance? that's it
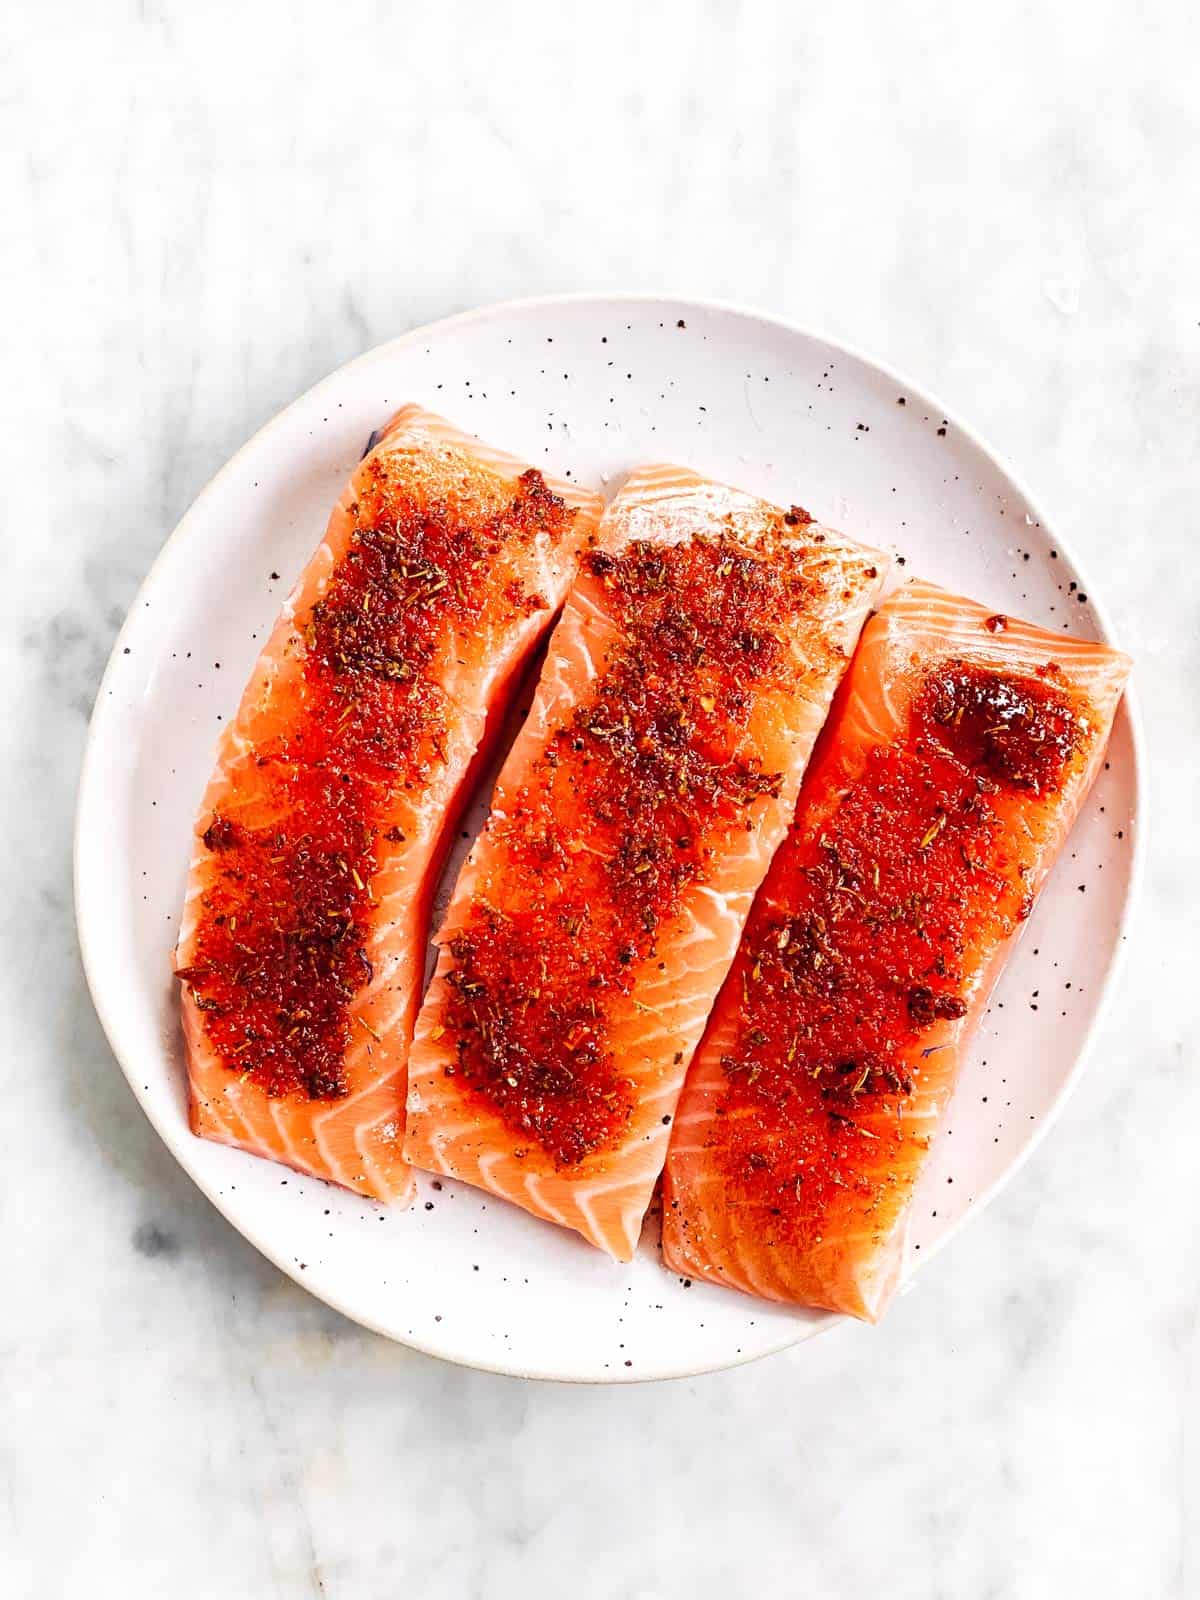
(205, 208)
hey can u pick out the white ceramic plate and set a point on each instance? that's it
(587, 386)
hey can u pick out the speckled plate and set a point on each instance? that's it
(587, 386)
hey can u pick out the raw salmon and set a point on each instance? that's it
(595, 918)
(953, 765)
(336, 789)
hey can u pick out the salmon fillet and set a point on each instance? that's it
(955, 761)
(633, 820)
(336, 788)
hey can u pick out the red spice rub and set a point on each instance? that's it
(279, 947)
(910, 872)
(627, 804)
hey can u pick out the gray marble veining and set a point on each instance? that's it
(207, 208)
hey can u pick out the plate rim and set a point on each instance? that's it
(85, 914)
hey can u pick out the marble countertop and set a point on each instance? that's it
(207, 208)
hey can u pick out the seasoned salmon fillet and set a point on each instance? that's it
(632, 822)
(324, 826)
(956, 759)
